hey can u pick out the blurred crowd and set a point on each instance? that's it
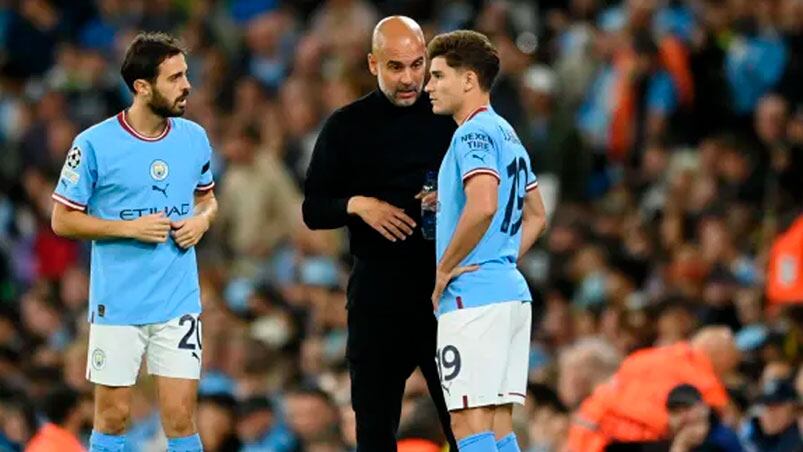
(667, 136)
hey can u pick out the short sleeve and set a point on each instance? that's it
(78, 176)
(532, 180)
(475, 153)
(205, 180)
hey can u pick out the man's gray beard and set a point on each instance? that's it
(394, 101)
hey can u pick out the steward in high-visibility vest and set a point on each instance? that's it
(630, 407)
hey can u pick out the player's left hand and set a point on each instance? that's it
(187, 233)
(443, 278)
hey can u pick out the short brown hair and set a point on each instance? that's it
(466, 49)
(144, 55)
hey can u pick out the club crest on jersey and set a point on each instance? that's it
(74, 157)
(159, 170)
(98, 359)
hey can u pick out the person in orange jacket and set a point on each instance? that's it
(630, 407)
(66, 416)
(418, 445)
(785, 267)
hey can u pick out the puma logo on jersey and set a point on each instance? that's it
(159, 189)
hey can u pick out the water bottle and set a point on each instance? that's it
(428, 212)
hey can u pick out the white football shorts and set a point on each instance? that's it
(172, 349)
(483, 354)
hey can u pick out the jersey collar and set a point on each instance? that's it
(121, 118)
(475, 113)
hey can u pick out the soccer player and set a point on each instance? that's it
(490, 213)
(139, 186)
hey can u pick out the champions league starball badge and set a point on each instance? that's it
(74, 157)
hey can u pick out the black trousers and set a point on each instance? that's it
(384, 349)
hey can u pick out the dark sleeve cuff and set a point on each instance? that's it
(328, 213)
(340, 207)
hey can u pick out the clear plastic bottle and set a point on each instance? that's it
(428, 212)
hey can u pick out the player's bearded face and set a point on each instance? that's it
(167, 107)
(170, 90)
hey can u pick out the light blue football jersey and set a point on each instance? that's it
(485, 144)
(114, 173)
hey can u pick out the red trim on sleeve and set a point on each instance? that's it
(206, 187)
(477, 171)
(68, 202)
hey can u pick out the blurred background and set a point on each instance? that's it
(667, 136)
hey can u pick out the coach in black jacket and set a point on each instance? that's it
(369, 162)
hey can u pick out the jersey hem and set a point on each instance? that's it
(482, 305)
(145, 322)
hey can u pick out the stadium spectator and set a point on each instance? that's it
(694, 426)
(420, 431)
(311, 416)
(259, 428)
(549, 419)
(584, 366)
(776, 428)
(17, 422)
(217, 422)
(68, 417)
(252, 227)
(624, 408)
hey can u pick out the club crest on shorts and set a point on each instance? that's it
(74, 157)
(159, 170)
(98, 359)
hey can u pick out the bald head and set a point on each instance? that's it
(718, 344)
(396, 31)
(398, 59)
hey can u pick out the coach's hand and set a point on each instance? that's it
(187, 233)
(387, 219)
(428, 198)
(151, 228)
(443, 278)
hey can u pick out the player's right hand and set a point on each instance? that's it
(442, 279)
(152, 228)
(385, 218)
